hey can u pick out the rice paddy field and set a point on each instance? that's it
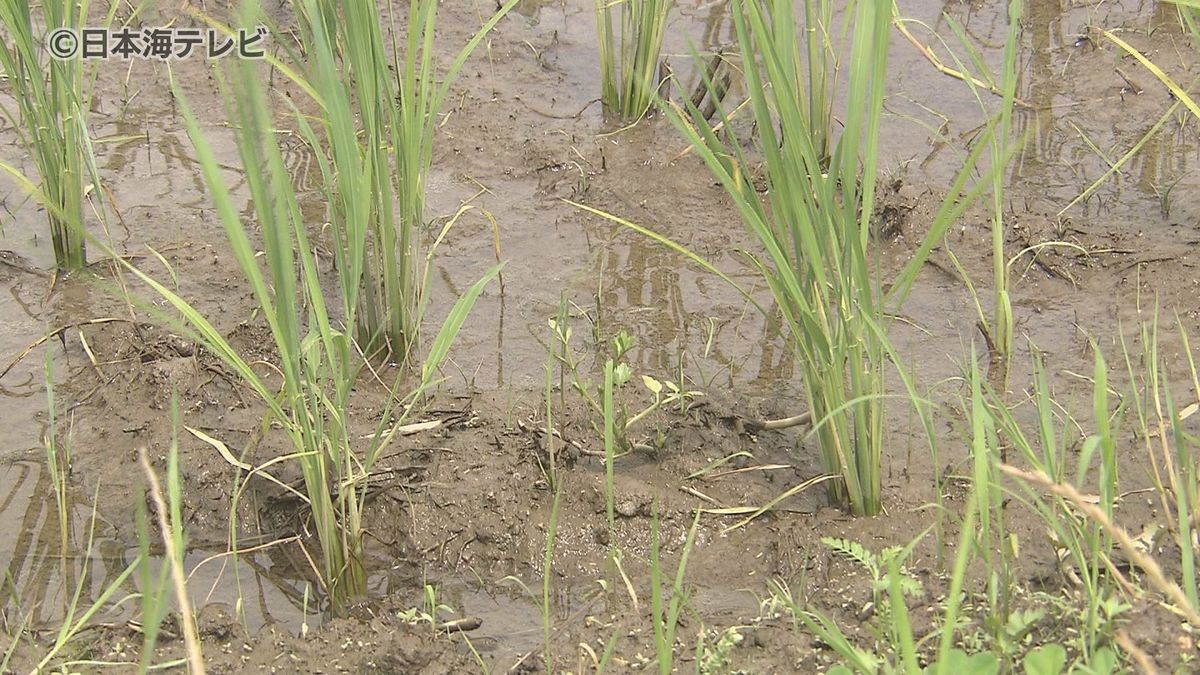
(459, 337)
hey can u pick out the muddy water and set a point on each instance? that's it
(526, 133)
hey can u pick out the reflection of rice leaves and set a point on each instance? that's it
(299, 159)
(35, 562)
(45, 586)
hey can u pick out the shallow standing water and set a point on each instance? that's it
(513, 143)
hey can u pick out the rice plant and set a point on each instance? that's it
(318, 358)
(79, 615)
(666, 618)
(1085, 548)
(58, 462)
(815, 222)
(51, 118)
(630, 59)
(168, 505)
(375, 171)
(999, 330)
(1170, 449)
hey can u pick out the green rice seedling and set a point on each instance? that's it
(79, 616)
(991, 538)
(58, 461)
(169, 511)
(374, 150)
(551, 472)
(319, 360)
(543, 599)
(666, 619)
(547, 576)
(629, 61)
(815, 225)
(1170, 450)
(999, 330)
(1084, 547)
(1116, 166)
(610, 449)
(154, 590)
(52, 107)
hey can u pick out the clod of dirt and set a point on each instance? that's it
(216, 620)
(634, 506)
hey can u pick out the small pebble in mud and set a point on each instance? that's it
(600, 535)
(627, 508)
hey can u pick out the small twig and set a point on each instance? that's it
(747, 469)
(563, 117)
(1130, 82)
(467, 623)
(700, 495)
(91, 356)
(410, 429)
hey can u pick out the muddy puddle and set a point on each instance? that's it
(522, 133)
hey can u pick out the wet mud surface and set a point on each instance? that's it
(466, 506)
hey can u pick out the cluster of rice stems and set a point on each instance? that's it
(319, 359)
(815, 222)
(629, 62)
(52, 111)
(375, 173)
(1045, 449)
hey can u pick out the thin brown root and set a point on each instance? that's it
(754, 426)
